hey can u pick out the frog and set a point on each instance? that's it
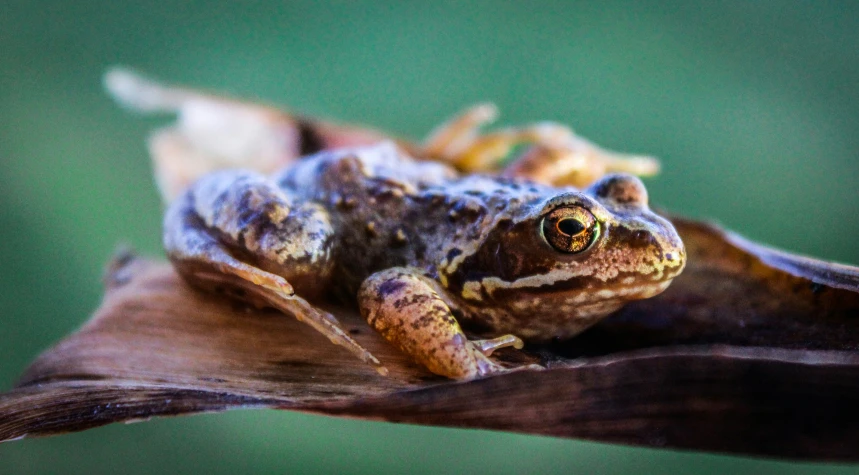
(447, 253)
(424, 250)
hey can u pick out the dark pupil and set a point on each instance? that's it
(570, 226)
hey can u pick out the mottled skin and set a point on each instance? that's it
(510, 250)
(424, 249)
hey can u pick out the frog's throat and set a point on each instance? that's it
(495, 289)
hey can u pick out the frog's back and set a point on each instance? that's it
(376, 201)
(390, 210)
(338, 172)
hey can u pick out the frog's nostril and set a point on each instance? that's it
(645, 239)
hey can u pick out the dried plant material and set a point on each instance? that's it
(750, 351)
(215, 132)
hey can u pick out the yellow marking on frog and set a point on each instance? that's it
(471, 290)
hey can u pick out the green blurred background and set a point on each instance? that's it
(752, 106)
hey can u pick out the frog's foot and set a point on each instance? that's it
(410, 311)
(576, 162)
(447, 141)
(460, 142)
(557, 156)
(229, 226)
(487, 347)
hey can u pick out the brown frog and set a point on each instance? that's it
(425, 248)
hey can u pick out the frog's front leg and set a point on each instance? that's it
(410, 311)
(238, 230)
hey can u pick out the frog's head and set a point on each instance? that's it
(563, 262)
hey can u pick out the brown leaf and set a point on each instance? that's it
(751, 350)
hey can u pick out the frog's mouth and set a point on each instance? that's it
(566, 299)
(632, 291)
(607, 293)
(558, 311)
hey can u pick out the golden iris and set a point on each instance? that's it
(570, 229)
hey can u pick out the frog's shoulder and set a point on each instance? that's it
(388, 163)
(383, 163)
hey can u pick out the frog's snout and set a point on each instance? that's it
(673, 252)
(661, 251)
(674, 261)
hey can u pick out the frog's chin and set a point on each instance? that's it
(543, 316)
(592, 301)
(634, 291)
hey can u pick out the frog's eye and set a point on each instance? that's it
(570, 229)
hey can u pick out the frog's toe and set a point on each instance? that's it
(486, 367)
(412, 313)
(487, 347)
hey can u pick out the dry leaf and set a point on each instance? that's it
(750, 351)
